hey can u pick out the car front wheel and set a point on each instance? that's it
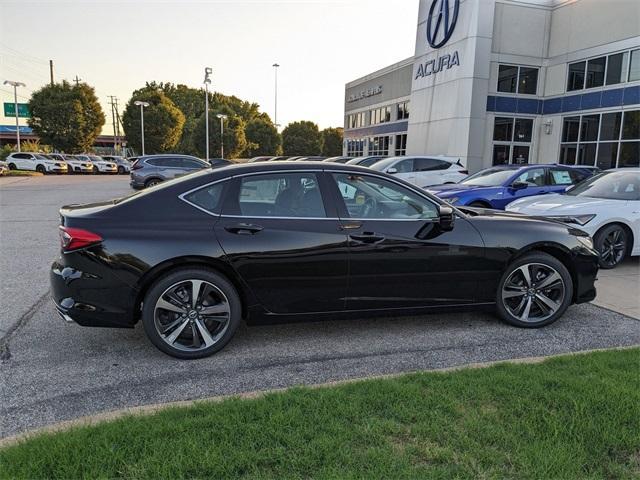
(534, 291)
(191, 313)
(611, 242)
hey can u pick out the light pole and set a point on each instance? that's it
(222, 118)
(141, 105)
(207, 71)
(275, 108)
(15, 86)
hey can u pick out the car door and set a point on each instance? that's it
(24, 161)
(531, 182)
(399, 255)
(284, 240)
(403, 169)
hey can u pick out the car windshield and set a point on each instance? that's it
(41, 157)
(491, 177)
(614, 185)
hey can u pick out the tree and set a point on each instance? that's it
(263, 137)
(163, 122)
(235, 141)
(332, 142)
(67, 117)
(301, 138)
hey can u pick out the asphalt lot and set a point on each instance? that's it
(51, 371)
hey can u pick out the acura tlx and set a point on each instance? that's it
(195, 256)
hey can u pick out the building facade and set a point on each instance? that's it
(508, 81)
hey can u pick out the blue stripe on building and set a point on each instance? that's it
(618, 97)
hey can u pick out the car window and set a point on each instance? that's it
(277, 195)
(429, 164)
(207, 198)
(404, 166)
(376, 198)
(533, 177)
(187, 163)
(22, 156)
(615, 185)
(562, 177)
(164, 162)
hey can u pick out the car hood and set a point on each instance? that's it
(452, 190)
(557, 204)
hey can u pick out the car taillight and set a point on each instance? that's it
(74, 238)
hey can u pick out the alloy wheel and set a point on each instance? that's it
(533, 292)
(613, 248)
(192, 315)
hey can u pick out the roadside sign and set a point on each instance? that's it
(10, 110)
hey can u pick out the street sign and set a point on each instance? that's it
(23, 110)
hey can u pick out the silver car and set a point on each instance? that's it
(153, 169)
(122, 163)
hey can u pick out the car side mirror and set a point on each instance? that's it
(392, 170)
(447, 217)
(519, 185)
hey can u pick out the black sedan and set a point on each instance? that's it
(194, 256)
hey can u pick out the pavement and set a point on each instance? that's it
(619, 289)
(51, 371)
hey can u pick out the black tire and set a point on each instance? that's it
(183, 275)
(12, 166)
(95, 170)
(612, 242)
(151, 182)
(479, 205)
(535, 259)
(121, 170)
(41, 169)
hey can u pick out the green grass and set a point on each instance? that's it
(569, 417)
(22, 173)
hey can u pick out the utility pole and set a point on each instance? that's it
(117, 124)
(113, 121)
(141, 104)
(15, 86)
(275, 109)
(77, 80)
(207, 71)
(51, 71)
(222, 118)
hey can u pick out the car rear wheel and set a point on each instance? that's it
(12, 166)
(534, 291)
(612, 243)
(121, 170)
(152, 182)
(191, 313)
(41, 169)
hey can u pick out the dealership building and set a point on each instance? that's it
(508, 81)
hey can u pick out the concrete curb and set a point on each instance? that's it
(158, 407)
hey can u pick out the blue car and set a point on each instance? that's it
(498, 186)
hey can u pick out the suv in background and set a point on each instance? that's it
(151, 170)
(36, 162)
(122, 163)
(423, 171)
(77, 165)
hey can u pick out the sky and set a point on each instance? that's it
(117, 46)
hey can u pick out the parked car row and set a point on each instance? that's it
(64, 163)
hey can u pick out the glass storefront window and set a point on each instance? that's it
(608, 140)
(528, 80)
(634, 67)
(523, 130)
(507, 78)
(503, 129)
(512, 138)
(515, 79)
(520, 154)
(575, 80)
(500, 154)
(617, 68)
(595, 72)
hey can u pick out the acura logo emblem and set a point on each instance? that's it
(441, 22)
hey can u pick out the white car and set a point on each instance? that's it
(606, 206)
(36, 162)
(76, 165)
(423, 171)
(122, 164)
(99, 165)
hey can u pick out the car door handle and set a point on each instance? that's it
(367, 237)
(350, 226)
(244, 229)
